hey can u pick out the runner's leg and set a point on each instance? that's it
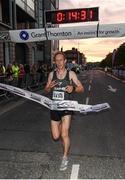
(55, 129)
(66, 121)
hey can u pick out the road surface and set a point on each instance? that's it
(97, 139)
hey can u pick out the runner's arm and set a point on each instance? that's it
(50, 84)
(78, 85)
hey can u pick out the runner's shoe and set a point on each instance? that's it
(64, 164)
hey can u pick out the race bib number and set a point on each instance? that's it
(57, 95)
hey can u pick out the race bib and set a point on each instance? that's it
(57, 95)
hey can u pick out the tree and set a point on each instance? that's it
(107, 61)
(120, 55)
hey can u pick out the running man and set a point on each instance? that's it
(60, 84)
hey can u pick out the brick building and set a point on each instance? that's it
(74, 56)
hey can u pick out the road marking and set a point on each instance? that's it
(12, 106)
(87, 100)
(110, 88)
(89, 87)
(75, 171)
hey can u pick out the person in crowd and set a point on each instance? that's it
(15, 70)
(2, 72)
(9, 74)
(27, 75)
(21, 76)
(33, 73)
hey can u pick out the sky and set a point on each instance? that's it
(110, 12)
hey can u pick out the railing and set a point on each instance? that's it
(2, 92)
(30, 82)
(119, 73)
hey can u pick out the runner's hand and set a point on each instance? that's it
(69, 89)
(53, 84)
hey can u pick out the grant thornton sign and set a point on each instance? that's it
(61, 33)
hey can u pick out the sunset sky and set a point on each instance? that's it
(110, 11)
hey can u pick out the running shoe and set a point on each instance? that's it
(64, 164)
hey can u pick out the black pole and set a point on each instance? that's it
(43, 7)
(10, 13)
(97, 32)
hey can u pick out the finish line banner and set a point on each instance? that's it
(61, 33)
(54, 105)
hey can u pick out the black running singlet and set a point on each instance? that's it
(58, 92)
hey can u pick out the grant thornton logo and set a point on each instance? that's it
(24, 35)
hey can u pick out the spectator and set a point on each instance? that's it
(41, 73)
(2, 72)
(33, 72)
(27, 75)
(9, 74)
(15, 70)
(21, 75)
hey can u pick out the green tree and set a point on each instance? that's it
(107, 61)
(120, 55)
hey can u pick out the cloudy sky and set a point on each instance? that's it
(110, 11)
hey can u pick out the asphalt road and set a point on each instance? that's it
(98, 139)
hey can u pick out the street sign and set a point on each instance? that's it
(72, 15)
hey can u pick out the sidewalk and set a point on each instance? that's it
(116, 77)
(113, 76)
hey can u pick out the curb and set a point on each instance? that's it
(113, 76)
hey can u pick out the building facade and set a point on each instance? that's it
(74, 56)
(25, 14)
(46, 49)
(17, 15)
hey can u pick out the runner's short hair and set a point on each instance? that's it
(59, 52)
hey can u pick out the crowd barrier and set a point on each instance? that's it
(119, 73)
(29, 82)
(3, 93)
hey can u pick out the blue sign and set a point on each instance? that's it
(24, 35)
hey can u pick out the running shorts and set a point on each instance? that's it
(57, 115)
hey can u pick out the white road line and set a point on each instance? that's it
(87, 100)
(12, 106)
(75, 171)
(89, 87)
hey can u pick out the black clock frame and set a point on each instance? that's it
(72, 15)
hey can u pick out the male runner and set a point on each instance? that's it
(60, 84)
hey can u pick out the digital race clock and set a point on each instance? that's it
(72, 15)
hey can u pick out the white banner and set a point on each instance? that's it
(54, 105)
(77, 32)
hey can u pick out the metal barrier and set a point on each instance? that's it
(27, 84)
(3, 93)
(119, 73)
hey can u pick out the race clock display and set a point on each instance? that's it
(72, 15)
